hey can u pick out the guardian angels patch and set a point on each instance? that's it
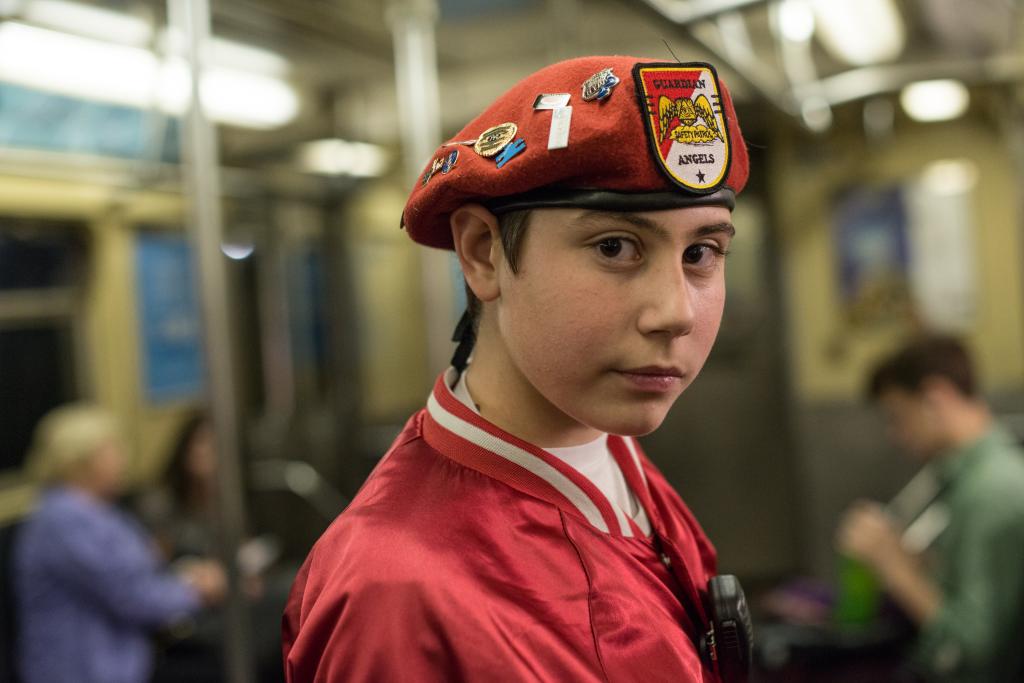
(685, 122)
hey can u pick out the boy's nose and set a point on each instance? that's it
(669, 307)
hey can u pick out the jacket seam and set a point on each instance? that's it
(590, 597)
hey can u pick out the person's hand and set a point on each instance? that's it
(208, 578)
(867, 534)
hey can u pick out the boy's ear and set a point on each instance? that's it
(477, 239)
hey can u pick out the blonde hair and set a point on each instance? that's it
(67, 437)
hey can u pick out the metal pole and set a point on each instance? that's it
(278, 363)
(412, 27)
(191, 19)
(1013, 130)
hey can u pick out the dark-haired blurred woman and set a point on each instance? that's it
(180, 510)
(181, 513)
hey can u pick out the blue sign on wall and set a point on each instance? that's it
(169, 318)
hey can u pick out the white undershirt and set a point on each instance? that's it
(593, 460)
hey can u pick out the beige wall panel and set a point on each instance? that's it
(828, 358)
(390, 312)
(112, 314)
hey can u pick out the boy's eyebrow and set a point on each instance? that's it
(598, 216)
(728, 228)
(643, 223)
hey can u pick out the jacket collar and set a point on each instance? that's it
(462, 435)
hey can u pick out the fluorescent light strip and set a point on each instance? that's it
(230, 54)
(796, 20)
(333, 156)
(90, 69)
(75, 66)
(86, 20)
(950, 176)
(123, 28)
(860, 32)
(247, 99)
(938, 100)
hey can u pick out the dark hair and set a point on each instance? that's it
(513, 228)
(177, 474)
(932, 356)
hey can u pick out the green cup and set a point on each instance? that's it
(859, 595)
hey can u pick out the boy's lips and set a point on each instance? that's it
(655, 378)
(655, 370)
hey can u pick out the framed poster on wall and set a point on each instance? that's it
(871, 241)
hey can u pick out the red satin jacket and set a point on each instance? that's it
(471, 555)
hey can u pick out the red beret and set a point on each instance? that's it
(613, 133)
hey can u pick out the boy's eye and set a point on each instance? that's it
(702, 254)
(617, 248)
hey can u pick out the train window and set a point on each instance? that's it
(33, 259)
(34, 376)
(39, 274)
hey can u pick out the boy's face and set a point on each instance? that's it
(612, 315)
(913, 422)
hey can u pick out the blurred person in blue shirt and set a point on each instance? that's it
(89, 585)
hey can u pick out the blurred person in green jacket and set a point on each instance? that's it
(965, 592)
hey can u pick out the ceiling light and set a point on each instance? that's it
(230, 54)
(860, 32)
(75, 66)
(340, 157)
(91, 69)
(87, 20)
(938, 100)
(120, 27)
(816, 114)
(950, 176)
(234, 96)
(796, 20)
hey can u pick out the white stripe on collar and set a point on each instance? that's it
(636, 457)
(460, 390)
(573, 493)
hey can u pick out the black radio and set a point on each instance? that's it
(729, 642)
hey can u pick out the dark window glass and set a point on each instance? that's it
(37, 259)
(37, 355)
(35, 376)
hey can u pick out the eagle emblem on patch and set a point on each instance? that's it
(685, 122)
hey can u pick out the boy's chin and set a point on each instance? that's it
(638, 424)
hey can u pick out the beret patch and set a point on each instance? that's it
(685, 123)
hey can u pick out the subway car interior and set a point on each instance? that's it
(201, 234)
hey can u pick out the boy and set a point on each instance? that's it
(515, 531)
